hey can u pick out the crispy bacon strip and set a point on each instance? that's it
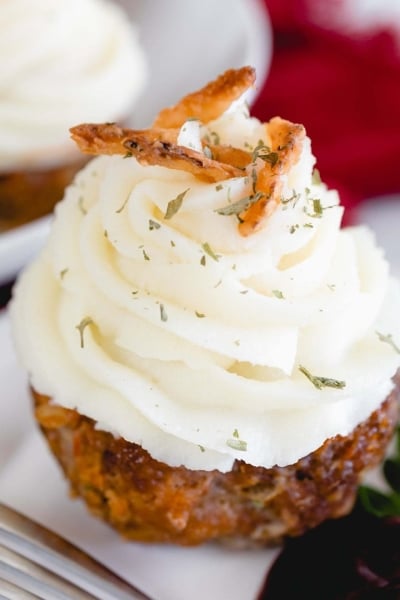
(109, 138)
(230, 155)
(151, 147)
(210, 102)
(158, 145)
(286, 138)
(287, 141)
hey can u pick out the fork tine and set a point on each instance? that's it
(53, 552)
(9, 591)
(34, 578)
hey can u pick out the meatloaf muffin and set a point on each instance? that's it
(147, 500)
(211, 356)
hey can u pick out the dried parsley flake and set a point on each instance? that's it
(264, 152)
(278, 294)
(81, 328)
(240, 205)
(388, 339)
(153, 225)
(175, 204)
(121, 208)
(236, 444)
(163, 313)
(208, 250)
(321, 382)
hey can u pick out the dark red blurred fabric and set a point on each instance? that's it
(345, 89)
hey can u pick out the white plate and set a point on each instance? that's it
(187, 44)
(31, 482)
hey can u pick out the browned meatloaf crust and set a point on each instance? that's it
(28, 195)
(149, 501)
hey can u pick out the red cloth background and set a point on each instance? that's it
(345, 89)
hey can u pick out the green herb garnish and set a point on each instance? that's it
(128, 155)
(199, 314)
(237, 444)
(322, 382)
(240, 205)
(203, 260)
(388, 339)
(264, 152)
(145, 255)
(219, 187)
(271, 158)
(63, 273)
(260, 146)
(318, 209)
(278, 294)
(163, 313)
(293, 198)
(81, 328)
(208, 250)
(153, 225)
(121, 208)
(317, 206)
(175, 204)
(378, 503)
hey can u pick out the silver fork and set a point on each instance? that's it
(37, 563)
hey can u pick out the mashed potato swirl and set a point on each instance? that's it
(150, 313)
(62, 62)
